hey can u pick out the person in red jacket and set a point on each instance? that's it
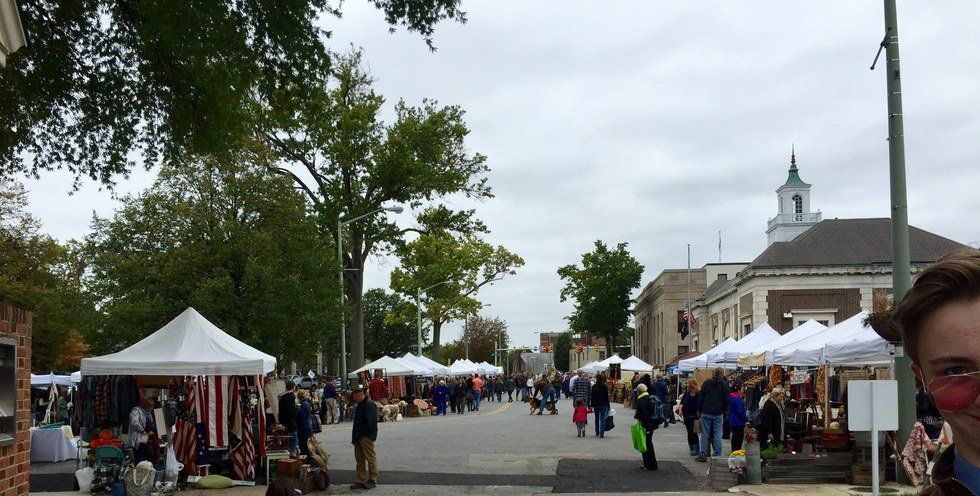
(580, 417)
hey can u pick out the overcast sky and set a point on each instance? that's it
(661, 123)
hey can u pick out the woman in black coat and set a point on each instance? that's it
(599, 401)
(772, 422)
(644, 414)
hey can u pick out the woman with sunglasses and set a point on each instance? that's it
(940, 323)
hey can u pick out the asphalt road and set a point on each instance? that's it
(504, 446)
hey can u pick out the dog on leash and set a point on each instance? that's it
(535, 403)
(391, 412)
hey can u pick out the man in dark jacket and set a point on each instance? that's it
(363, 435)
(713, 404)
(287, 414)
(661, 391)
(644, 414)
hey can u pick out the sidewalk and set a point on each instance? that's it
(819, 490)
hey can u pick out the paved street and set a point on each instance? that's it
(504, 446)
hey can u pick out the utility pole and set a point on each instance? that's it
(901, 266)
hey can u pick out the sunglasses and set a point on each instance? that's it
(955, 392)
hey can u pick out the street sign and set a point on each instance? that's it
(872, 406)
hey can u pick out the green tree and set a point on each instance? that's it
(41, 275)
(563, 346)
(481, 335)
(232, 241)
(467, 262)
(389, 325)
(350, 163)
(100, 83)
(600, 290)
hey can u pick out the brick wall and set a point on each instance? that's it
(15, 459)
(846, 301)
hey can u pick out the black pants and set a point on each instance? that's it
(692, 437)
(738, 435)
(726, 429)
(649, 456)
(510, 396)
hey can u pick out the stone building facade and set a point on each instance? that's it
(15, 324)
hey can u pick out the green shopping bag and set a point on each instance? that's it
(639, 438)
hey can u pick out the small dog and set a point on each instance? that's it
(391, 412)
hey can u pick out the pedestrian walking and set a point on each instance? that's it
(600, 405)
(580, 417)
(689, 412)
(329, 411)
(477, 391)
(363, 435)
(644, 414)
(440, 395)
(287, 414)
(509, 387)
(581, 389)
(737, 416)
(661, 391)
(304, 422)
(713, 405)
(461, 393)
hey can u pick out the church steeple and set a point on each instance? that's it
(794, 215)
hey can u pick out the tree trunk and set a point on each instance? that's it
(436, 347)
(356, 296)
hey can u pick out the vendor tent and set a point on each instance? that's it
(701, 361)
(188, 345)
(487, 368)
(392, 367)
(76, 376)
(634, 364)
(810, 351)
(463, 367)
(764, 353)
(612, 359)
(590, 368)
(750, 343)
(433, 365)
(45, 380)
(864, 347)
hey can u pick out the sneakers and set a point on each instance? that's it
(370, 485)
(357, 485)
(701, 459)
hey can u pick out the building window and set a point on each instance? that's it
(798, 207)
(682, 350)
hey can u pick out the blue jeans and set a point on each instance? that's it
(293, 442)
(600, 420)
(549, 397)
(476, 399)
(711, 426)
(441, 408)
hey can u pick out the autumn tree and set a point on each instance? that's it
(350, 163)
(101, 85)
(389, 325)
(481, 335)
(600, 289)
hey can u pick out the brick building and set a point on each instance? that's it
(548, 340)
(826, 270)
(15, 328)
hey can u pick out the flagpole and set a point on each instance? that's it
(690, 330)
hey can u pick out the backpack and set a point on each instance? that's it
(658, 415)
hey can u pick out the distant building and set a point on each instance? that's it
(548, 339)
(826, 270)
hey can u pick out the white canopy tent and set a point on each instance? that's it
(433, 365)
(634, 364)
(810, 351)
(487, 368)
(392, 367)
(45, 380)
(864, 347)
(76, 376)
(764, 353)
(612, 359)
(463, 367)
(591, 368)
(701, 361)
(188, 345)
(748, 344)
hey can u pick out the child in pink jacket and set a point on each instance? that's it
(580, 417)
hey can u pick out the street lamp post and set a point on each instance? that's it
(418, 309)
(340, 256)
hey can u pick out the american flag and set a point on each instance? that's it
(260, 412)
(689, 317)
(185, 433)
(217, 411)
(243, 456)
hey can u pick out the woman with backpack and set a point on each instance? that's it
(645, 412)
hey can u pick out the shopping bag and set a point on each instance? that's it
(639, 438)
(140, 481)
(84, 477)
(173, 467)
(697, 426)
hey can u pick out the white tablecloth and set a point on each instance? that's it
(51, 445)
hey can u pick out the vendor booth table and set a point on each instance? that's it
(55, 444)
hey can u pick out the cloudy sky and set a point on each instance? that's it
(662, 123)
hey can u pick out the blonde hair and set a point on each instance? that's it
(692, 386)
(303, 394)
